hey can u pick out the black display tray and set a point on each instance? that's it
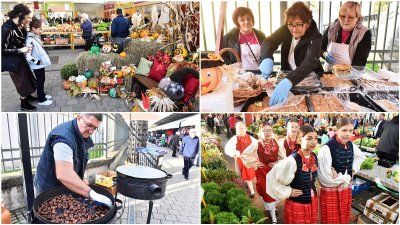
(260, 98)
(351, 89)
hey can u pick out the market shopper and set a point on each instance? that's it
(268, 156)
(119, 28)
(217, 123)
(294, 178)
(289, 145)
(86, 26)
(349, 32)
(232, 120)
(300, 43)
(339, 160)
(175, 143)
(388, 145)
(379, 126)
(235, 147)
(65, 156)
(38, 59)
(245, 39)
(13, 50)
(189, 149)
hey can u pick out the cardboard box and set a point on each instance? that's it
(382, 208)
(362, 219)
(62, 41)
(108, 174)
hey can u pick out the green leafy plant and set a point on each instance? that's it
(210, 186)
(214, 198)
(368, 164)
(208, 213)
(236, 204)
(226, 218)
(252, 215)
(228, 186)
(216, 163)
(68, 70)
(233, 192)
(219, 176)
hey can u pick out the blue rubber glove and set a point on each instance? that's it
(281, 92)
(266, 67)
(329, 58)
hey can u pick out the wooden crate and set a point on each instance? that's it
(62, 41)
(79, 41)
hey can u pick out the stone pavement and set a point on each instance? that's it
(53, 86)
(181, 204)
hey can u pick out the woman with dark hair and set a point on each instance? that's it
(339, 160)
(300, 43)
(349, 30)
(294, 178)
(13, 50)
(268, 156)
(245, 39)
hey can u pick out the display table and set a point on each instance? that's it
(71, 38)
(378, 176)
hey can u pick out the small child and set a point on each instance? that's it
(38, 59)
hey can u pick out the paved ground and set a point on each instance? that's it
(181, 203)
(53, 86)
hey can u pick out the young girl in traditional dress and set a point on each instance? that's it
(268, 156)
(293, 179)
(289, 144)
(339, 160)
(234, 148)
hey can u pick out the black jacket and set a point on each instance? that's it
(12, 38)
(380, 129)
(306, 53)
(362, 50)
(231, 40)
(389, 141)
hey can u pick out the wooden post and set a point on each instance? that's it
(220, 28)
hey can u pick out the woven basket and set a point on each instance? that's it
(240, 96)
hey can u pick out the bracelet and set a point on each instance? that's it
(325, 54)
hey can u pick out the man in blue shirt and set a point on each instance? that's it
(119, 28)
(189, 149)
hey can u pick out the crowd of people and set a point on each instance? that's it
(301, 44)
(287, 169)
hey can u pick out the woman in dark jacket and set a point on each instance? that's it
(348, 29)
(86, 26)
(301, 46)
(13, 37)
(245, 39)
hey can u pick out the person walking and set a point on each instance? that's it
(175, 143)
(189, 149)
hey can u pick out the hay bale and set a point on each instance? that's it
(137, 49)
(93, 62)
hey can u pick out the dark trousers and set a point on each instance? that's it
(88, 44)
(40, 79)
(233, 132)
(174, 148)
(187, 164)
(218, 129)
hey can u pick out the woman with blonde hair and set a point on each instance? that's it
(339, 160)
(348, 29)
(235, 147)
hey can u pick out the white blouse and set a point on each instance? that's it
(282, 150)
(325, 175)
(279, 178)
(230, 147)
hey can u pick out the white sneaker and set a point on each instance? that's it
(48, 97)
(47, 102)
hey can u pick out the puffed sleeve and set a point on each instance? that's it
(359, 158)
(230, 147)
(279, 178)
(325, 175)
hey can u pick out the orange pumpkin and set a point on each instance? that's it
(66, 84)
(134, 35)
(123, 55)
(156, 35)
(118, 73)
(210, 78)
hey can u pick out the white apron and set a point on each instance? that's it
(247, 58)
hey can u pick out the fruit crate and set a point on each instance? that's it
(62, 41)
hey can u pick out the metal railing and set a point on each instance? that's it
(379, 16)
(112, 135)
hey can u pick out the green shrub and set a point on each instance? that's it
(233, 192)
(226, 218)
(220, 176)
(252, 215)
(209, 186)
(214, 198)
(207, 211)
(216, 163)
(68, 70)
(228, 186)
(236, 204)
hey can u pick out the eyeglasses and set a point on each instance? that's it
(267, 131)
(349, 18)
(90, 126)
(297, 26)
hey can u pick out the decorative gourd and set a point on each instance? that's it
(66, 84)
(88, 74)
(210, 78)
(113, 92)
(123, 55)
(107, 48)
(118, 73)
(134, 35)
(93, 83)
